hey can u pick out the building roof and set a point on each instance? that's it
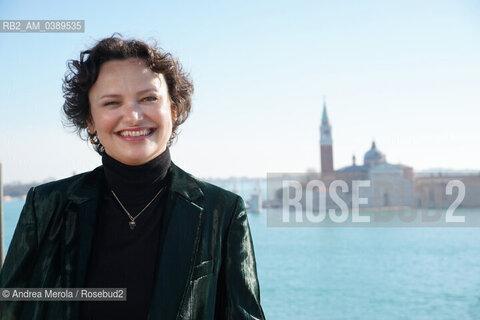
(373, 156)
(354, 168)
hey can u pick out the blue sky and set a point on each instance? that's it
(405, 73)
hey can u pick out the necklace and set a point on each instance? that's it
(132, 222)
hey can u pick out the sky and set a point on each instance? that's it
(403, 73)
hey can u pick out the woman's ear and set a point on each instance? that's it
(90, 125)
(173, 109)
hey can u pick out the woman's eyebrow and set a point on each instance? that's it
(146, 90)
(112, 95)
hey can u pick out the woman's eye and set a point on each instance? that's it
(150, 99)
(110, 103)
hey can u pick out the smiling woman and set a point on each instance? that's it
(180, 246)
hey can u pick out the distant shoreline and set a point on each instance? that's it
(11, 199)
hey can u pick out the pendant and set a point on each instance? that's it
(132, 225)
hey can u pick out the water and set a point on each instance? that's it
(368, 273)
(359, 273)
(11, 213)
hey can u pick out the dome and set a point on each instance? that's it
(373, 156)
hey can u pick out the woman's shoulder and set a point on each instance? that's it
(207, 188)
(69, 185)
(210, 196)
(46, 201)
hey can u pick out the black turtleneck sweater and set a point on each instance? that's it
(121, 257)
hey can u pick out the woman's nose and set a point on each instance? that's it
(133, 112)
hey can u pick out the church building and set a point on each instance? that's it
(391, 185)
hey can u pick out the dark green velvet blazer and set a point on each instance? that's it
(206, 267)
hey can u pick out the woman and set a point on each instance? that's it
(181, 247)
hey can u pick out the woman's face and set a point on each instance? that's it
(130, 111)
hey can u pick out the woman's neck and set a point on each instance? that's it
(136, 184)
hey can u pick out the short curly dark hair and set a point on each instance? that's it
(83, 73)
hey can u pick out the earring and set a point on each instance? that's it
(92, 136)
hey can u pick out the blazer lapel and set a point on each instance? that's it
(86, 221)
(80, 221)
(179, 240)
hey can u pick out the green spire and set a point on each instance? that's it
(324, 114)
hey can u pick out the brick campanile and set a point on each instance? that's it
(326, 151)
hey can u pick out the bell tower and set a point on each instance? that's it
(326, 151)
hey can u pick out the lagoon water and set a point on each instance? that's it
(359, 273)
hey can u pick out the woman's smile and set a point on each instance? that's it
(136, 134)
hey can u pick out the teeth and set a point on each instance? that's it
(135, 133)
